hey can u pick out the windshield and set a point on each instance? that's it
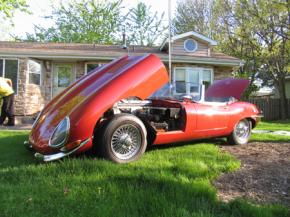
(179, 91)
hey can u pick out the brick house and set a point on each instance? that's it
(39, 71)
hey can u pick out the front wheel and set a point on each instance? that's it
(124, 139)
(241, 133)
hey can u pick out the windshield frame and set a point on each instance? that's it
(178, 92)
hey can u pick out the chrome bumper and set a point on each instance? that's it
(59, 155)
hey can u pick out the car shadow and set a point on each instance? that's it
(215, 141)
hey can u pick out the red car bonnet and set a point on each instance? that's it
(122, 78)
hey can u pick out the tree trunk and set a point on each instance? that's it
(283, 99)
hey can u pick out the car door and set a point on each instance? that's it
(212, 118)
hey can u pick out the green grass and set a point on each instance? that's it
(274, 125)
(269, 138)
(174, 181)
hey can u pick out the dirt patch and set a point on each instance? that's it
(264, 176)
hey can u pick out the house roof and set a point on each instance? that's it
(188, 34)
(102, 52)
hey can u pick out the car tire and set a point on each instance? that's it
(124, 139)
(241, 133)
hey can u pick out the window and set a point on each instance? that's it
(206, 77)
(9, 69)
(92, 65)
(34, 72)
(180, 79)
(64, 76)
(188, 79)
(190, 45)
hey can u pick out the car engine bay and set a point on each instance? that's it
(162, 115)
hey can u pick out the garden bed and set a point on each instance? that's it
(264, 176)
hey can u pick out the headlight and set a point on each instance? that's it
(60, 134)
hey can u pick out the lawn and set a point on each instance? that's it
(173, 181)
(265, 137)
(274, 125)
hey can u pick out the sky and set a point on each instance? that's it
(40, 8)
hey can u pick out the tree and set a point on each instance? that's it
(215, 19)
(145, 27)
(206, 17)
(8, 7)
(88, 22)
(256, 31)
(237, 40)
(259, 31)
(194, 15)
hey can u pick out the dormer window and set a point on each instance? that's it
(190, 45)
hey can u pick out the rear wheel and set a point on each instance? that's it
(123, 139)
(241, 133)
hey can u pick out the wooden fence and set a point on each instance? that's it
(270, 108)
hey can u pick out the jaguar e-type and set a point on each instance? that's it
(120, 108)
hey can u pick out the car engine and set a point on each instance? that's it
(161, 116)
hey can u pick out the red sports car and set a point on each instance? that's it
(122, 107)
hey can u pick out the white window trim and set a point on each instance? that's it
(190, 51)
(92, 62)
(200, 71)
(28, 70)
(17, 75)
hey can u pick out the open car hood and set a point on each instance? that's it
(86, 100)
(128, 76)
(229, 87)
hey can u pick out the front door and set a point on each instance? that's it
(63, 76)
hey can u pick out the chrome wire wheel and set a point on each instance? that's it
(242, 131)
(126, 141)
